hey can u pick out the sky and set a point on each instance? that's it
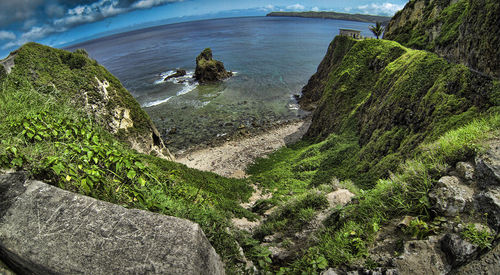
(59, 23)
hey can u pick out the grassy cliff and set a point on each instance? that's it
(384, 100)
(463, 31)
(389, 122)
(48, 127)
(333, 15)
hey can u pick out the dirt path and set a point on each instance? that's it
(231, 158)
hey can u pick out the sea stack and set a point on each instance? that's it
(209, 70)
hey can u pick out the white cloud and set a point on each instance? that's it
(296, 7)
(315, 9)
(31, 35)
(6, 35)
(269, 7)
(146, 4)
(59, 16)
(381, 9)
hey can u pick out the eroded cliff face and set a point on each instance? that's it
(90, 87)
(462, 31)
(387, 99)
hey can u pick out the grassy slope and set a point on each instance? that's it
(384, 108)
(415, 97)
(464, 31)
(43, 130)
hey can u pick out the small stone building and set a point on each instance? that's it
(351, 33)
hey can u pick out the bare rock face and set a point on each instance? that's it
(487, 264)
(208, 69)
(46, 230)
(458, 250)
(422, 257)
(450, 196)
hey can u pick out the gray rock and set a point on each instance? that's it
(330, 271)
(46, 230)
(466, 170)
(450, 197)
(488, 167)
(458, 251)
(489, 202)
(422, 257)
(489, 264)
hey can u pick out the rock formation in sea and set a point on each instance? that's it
(178, 73)
(209, 70)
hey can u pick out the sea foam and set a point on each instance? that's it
(156, 102)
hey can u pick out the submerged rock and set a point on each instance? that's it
(46, 230)
(178, 73)
(208, 69)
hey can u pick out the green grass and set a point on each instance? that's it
(390, 122)
(45, 131)
(392, 132)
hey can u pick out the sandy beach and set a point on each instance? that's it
(232, 157)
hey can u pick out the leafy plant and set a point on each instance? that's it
(377, 30)
(480, 237)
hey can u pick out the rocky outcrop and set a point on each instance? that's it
(208, 69)
(487, 264)
(178, 73)
(46, 230)
(464, 31)
(91, 88)
(450, 197)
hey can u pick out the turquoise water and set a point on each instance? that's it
(272, 57)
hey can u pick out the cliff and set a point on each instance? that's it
(405, 131)
(390, 99)
(333, 15)
(89, 87)
(463, 31)
(66, 121)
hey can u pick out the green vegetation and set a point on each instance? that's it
(44, 131)
(390, 122)
(480, 237)
(377, 30)
(333, 15)
(384, 108)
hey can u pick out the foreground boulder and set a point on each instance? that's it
(208, 69)
(46, 230)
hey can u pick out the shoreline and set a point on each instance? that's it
(231, 158)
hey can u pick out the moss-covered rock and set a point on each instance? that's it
(386, 100)
(89, 87)
(208, 69)
(464, 31)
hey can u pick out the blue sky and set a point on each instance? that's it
(61, 22)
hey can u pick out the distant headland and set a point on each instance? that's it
(333, 15)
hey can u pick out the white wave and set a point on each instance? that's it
(182, 79)
(188, 87)
(164, 75)
(157, 102)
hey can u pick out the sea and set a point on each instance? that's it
(272, 58)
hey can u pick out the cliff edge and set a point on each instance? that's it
(89, 87)
(463, 31)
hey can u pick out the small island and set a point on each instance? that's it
(333, 15)
(209, 70)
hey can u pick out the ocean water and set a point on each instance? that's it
(272, 57)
